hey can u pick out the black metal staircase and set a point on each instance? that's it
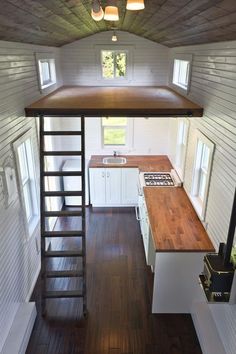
(48, 253)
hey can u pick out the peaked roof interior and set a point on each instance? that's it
(169, 22)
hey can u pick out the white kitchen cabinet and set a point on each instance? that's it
(129, 186)
(97, 186)
(113, 186)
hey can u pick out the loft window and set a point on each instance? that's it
(114, 64)
(181, 71)
(116, 132)
(27, 181)
(181, 146)
(46, 71)
(201, 173)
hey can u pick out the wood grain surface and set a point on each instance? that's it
(119, 287)
(98, 101)
(142, 162)
(174, 223)
(171, 23)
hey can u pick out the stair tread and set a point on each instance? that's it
(62, 153)
(62, 193)
(63, 233)
(63, 273)
(62, 293)
(67, 253)
(62, 173)
(62, 132)
(63, 213)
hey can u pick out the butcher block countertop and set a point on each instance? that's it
(143, 162)
(174, 223)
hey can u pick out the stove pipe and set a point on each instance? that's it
(230, 238)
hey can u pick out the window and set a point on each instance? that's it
(181, 146)
(27, 181)
(201, 173)
(114, 64)
(46, 70)
(116, 131)
(181, 71)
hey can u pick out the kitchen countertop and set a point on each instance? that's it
(142, 162)
(174, 223)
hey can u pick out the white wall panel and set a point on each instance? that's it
(19, 260)
(213, 86)
(81, 66)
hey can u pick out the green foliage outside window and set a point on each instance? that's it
(114, 131)
(113, 64)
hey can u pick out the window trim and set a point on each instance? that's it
(180, 169)
(200, 206)
(50, 59)
(129, 64)
(184, 57)
(129, 135)
(30, 226)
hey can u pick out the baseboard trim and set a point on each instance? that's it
(33, 283)
(20, 331)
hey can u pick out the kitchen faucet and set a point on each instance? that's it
(115, 153)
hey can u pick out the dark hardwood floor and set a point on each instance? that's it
(119, 287)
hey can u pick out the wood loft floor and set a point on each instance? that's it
(119, 287)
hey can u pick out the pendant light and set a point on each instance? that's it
(111, 11)
(114, 37)
(135, 5)
(97, 12)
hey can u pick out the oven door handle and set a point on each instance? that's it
(137, 214)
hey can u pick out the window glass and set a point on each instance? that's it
(181, 73)
(27, 182)
(45, 67)
(201, 174)
(114, 64)
(114, 131)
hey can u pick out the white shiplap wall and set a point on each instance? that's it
(81, 65)
(19, 260)
(213, 86)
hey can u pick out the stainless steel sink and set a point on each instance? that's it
(111, 160)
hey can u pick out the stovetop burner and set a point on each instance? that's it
(163, 179)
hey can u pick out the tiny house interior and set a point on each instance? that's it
(117, 139)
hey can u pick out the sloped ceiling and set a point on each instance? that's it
(169, 22)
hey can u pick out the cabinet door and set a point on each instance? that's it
(129, 186)
(113, 186)
(97, 186)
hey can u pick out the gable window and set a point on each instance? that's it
(201, 173)
(27, 182)
(114, 64)
(181, 72)
(116, 131)
(46, 71)
(181, 146)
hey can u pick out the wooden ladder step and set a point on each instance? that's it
(64, 273)
(62, 173)
(72, 233)
(62, 294)
(63, 213)
(62, 132)
(62, 153)
(62, 193)
(78, 253)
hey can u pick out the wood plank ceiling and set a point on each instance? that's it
(169, 22)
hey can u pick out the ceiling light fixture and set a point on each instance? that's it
(111, 11)
(135, 5)
(114, 37)
(97, 12)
